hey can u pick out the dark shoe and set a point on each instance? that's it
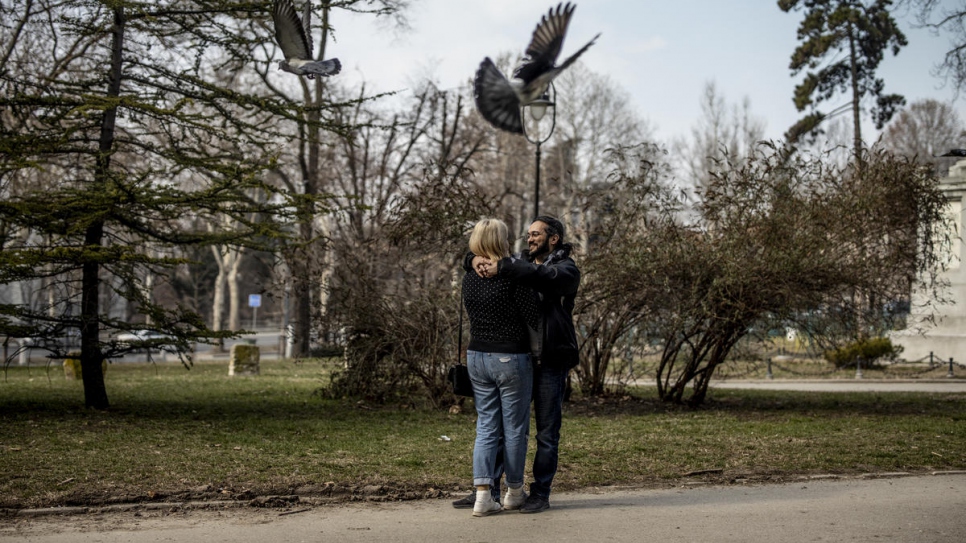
(535, 504)
(466, 502)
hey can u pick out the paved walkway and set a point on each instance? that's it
(921, 509)
(849, 385)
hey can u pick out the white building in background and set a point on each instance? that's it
(947, 338)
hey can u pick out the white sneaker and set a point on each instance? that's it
(514, 498)
(485, 504)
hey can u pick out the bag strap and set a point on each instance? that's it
(459, 348)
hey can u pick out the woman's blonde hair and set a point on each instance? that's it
(489, 239)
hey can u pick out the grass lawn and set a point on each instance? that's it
(174, 433)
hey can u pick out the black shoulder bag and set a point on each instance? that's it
(459, 373)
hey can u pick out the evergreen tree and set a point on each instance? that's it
(122, 126)
(842, 44)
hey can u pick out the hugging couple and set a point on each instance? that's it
(522, 345)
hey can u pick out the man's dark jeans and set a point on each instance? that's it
(548, 392)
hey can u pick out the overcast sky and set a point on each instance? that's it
(660, 52)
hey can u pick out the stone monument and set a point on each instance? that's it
(947, 337)
(244, 359)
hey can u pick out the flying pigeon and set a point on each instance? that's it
(294, 36)
(955, 152)
(498, 99)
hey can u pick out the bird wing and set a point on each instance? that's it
(546, 43)
(307, 25)
(496, 100)
(289, 32)
(570, 60)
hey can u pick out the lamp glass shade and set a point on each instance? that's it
(538, 108)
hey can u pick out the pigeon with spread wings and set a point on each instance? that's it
(294, 36)
(499, 99)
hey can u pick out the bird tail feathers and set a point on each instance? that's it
(327, 67)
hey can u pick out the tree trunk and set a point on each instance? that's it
(233, 260)
(856, 97)
(302, 271)
(218, 298)
(95, 393)
(302, 292)
(148, 289)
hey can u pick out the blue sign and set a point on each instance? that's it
(254, 300)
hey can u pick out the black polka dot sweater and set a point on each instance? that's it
(500, 312)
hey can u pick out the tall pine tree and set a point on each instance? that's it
(842, 44)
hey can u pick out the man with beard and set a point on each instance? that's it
(547, 268)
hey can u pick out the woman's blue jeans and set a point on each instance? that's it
(502, 386)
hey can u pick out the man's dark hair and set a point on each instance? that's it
(553, 227)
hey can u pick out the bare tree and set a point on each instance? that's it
(926, 129)
(393, 286)
(228, 260)
(946, 18)
(304, 165)
(595, 115)
(723, 130)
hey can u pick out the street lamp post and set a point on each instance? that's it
(538, 109)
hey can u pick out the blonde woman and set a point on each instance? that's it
(502, 315)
